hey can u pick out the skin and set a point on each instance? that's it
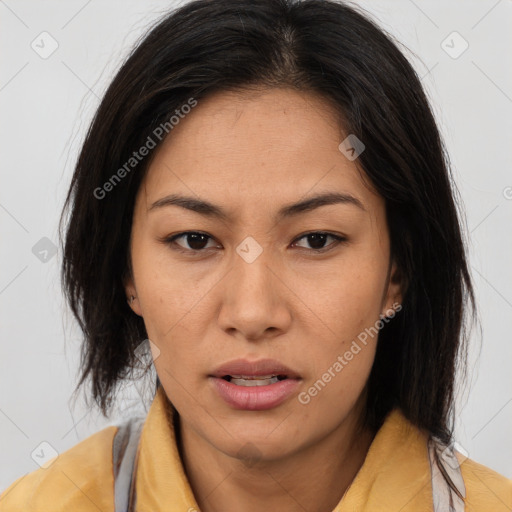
(252, 154)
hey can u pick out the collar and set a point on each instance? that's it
(394, 476)
(161, 482)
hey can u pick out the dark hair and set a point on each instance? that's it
(319, 46)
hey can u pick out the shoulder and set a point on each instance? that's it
(485, 488)
(81, 478)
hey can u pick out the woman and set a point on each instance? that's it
(263, 202)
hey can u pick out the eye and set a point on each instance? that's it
(317, 240)
(196, 241)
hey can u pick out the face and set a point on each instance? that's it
(299, 286)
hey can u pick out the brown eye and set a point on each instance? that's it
(317, 240)
(193, 241)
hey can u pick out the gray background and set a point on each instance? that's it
(46, 105)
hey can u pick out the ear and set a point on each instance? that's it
(130, 290)
(394, 293)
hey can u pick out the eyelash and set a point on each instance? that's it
(171, 241)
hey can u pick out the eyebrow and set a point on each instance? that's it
(211, 210)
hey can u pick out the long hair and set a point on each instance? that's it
(327, 48)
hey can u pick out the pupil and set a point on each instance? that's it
(315, 237)
(195, 238)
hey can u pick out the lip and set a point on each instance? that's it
(254, 368)
(255, 398)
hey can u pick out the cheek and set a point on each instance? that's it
(348, 300)
(348, 306)
(338, 379)
(164, 299)
(172, 309)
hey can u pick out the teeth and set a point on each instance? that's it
(243, 380)
(251, 377)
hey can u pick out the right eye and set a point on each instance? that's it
(194, 239)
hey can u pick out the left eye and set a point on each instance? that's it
(196, 240)
(318, 238)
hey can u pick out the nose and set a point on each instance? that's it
(254, 299)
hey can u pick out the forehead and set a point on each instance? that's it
(256, 148)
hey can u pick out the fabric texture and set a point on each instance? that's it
(395, 476)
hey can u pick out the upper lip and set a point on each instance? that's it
(256, 368)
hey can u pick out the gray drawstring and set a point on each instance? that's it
(444, 463)
(124, 451)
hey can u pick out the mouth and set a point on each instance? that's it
(251, 380)
(254, 385)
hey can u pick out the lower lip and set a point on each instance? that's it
(255, 398)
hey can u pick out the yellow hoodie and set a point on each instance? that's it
(396, 475)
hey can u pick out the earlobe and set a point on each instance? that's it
(394, 295)
(131, 295)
